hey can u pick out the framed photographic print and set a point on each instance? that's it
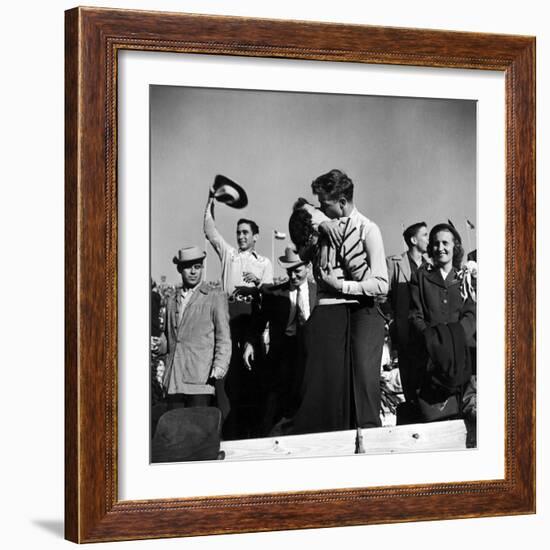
(295, 291)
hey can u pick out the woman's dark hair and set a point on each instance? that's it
(300, 225)
(300, 201)
(458, 251)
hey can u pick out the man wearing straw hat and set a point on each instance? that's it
(197, 340)
(286, 308)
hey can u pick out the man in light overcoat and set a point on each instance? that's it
(197, 337)
(400, 269)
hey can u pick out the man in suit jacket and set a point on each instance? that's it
(400, 269)
(197, 339)
(286, 308)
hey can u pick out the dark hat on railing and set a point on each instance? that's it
(191, 433)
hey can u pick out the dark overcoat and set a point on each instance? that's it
(275, 310)
(435, 300)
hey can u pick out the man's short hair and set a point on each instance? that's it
(335, 184)
(253, 225)
(412, 231)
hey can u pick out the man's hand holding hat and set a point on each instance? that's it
(227, 191)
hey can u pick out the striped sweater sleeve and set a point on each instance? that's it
(351, 254)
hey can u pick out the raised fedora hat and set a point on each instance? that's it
(229, 192)
(189, 254)
(290, 259)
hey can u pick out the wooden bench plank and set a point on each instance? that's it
(437, 436)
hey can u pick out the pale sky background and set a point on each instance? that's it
(410, 160)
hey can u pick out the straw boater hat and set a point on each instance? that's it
(290, 259)
(228, 192)
(189, 254)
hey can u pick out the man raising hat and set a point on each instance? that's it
(244, 271)
(197, 338)
(242, 266)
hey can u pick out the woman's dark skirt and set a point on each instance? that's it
(326, 401)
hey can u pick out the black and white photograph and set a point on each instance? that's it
(313, 273)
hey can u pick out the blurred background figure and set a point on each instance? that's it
(400, 269)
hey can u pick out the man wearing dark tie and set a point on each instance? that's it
(286, 307)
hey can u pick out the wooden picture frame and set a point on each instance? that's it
(93, 511)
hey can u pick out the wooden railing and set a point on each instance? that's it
(436, 436)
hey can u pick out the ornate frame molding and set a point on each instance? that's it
(93, 39)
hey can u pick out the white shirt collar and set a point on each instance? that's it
(252, 252)
(302, 286)
(356, 215)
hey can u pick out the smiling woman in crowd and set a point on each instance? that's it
(443, 315)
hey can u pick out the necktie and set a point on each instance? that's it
(301, 310)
